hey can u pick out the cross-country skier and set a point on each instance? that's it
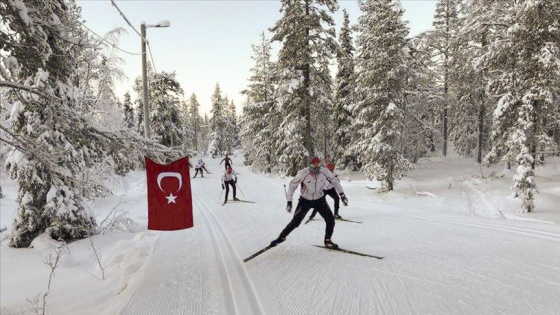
(200, 167)
(331, 191)
(227, 160)
(229, 178)
(312, 180)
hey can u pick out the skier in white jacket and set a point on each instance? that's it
(331, 191)
(229, 179)
(312, 180)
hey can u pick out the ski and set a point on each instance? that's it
(257, 253)
(341, 219)
(240, 200)
(346, 220)
(350, 252)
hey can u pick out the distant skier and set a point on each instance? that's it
(200, 168)
(312, 180)
(229, 178)
(331, 191)
(228, 162)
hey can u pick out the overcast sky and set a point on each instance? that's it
(208, 42)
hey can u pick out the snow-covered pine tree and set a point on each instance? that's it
(166, 124)
(193, 122)
(205, 132)
(234, 126)
(471, 121)
(323, 126)
(306, 33)
(526, 61)
(342, 115)
(381, 66)
(55, 138)
(445, 29)
(260, 115)
(418, 131)
(128, 111)
(218, 123)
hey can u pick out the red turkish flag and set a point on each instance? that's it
(169, 195)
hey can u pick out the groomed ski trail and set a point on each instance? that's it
(167, 287)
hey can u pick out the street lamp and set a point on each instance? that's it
(143, 28)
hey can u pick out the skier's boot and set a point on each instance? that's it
(337, 217)
(235, 198)
(277, 241)
(330, 244)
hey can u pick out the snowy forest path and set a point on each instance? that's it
(435, 263)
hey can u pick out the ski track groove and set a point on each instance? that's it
(158, 282)
(465, 222)
(228, 294)
(255, 305)
(405, 291)
(377, 301)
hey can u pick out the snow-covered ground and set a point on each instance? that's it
(452, 240)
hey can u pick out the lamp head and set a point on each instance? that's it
(164, 23)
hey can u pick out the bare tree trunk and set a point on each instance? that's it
(481, 114)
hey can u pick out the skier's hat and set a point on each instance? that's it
(315, 161)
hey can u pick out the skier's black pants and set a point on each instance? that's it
(334, 195)
(201, 172)
(303, 207)
(232, 183)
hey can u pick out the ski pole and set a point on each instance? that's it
(285, 192)
(220, 198)
(241, 191)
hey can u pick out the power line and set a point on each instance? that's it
(141, 37)
(124, 17)
(103, 39)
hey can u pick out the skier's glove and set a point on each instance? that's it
(289, 207)
(236, 180)
(223, 187)
(344, 199)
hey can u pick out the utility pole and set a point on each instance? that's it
(143, 27)
(145, 82)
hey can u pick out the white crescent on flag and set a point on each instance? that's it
(169, 174)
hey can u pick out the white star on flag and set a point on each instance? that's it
(171, 198)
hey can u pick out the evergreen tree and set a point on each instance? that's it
(323, 107)
(218, 124)
(445, 29)
(307, 38)
(260, 115)
(128, 111)
(419, 131)
(380, 90)
(341, 115)
(194, 122)
(233, 126)
(56, 138)
(165, 120)
(526, 61)
(471, 120)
